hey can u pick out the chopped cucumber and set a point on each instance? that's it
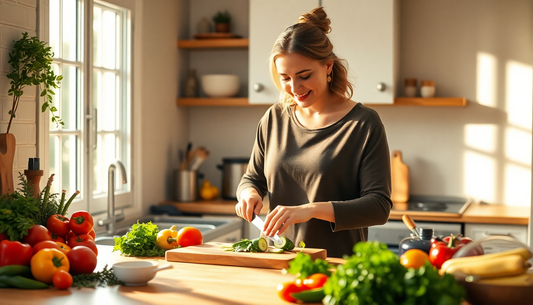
(259, 245)
(276, 250)
(310, 296)
(286, 244)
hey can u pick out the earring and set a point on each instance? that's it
(328, 78)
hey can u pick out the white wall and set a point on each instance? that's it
(478, 49)
(17, 17)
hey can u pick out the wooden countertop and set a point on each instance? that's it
(185, 283)
(475, 213)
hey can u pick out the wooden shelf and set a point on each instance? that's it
(399, 101)
(219, 43)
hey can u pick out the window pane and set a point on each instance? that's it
(107, 105)
(70, 29)
(105, 155)
(54, 162)
(97, 36)
(55, 98)
(70, 163)
(54, 27)
(110, 39)
(70, 97)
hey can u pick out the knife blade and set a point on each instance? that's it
(260, 224)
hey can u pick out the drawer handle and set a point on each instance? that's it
(498, 234)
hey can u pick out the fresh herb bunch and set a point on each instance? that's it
(140, 241)
(303, 266)
(222, 17)
(106, 277)
(17, 214)
(374, 275)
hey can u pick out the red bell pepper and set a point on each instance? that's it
(15, 253)
(442, 251)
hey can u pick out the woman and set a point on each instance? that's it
(322, 158)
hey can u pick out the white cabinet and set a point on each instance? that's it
(479, 231)
(268, 18)
(365, 34)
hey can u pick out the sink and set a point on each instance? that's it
(210, 227)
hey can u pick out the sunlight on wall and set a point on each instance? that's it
(497, 158)
(480, 176)
(486, 79)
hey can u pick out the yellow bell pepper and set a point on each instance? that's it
(167, 239)
(46, 262)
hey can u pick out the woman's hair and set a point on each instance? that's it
(309, 38)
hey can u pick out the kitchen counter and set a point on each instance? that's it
(185, 283)
(475, 213)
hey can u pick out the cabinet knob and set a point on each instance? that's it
(381, 87)
(258, 87)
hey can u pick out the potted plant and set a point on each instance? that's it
(31, 60)
(222, 21)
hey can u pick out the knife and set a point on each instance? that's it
(260, 224)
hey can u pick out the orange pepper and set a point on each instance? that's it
(45, 263)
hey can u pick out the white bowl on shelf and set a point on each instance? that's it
(220, 85)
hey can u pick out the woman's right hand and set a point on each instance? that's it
(250, 203)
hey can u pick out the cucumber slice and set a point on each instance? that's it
(310, 296)
(286, 244)
(259, 245)
(276, 250)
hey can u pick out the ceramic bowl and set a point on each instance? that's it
(137, 273)
(220, 85)
(483, 293)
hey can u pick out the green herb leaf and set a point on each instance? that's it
(102, 278)
(140, 241)
(303, 266)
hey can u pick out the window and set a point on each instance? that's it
(94, 99)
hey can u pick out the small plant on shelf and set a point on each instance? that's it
(222, 21)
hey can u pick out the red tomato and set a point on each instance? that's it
(285, 290)
(57, 238)
(63, 247)
(83, 240)
(36, 234)
(62, 279)
(58, 224)
(316, 280)
(189, 236)
(92, 234)
(44, 245)
(82, 260)
(69, 236)
(81, 222)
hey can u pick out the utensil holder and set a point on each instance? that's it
(186, 185)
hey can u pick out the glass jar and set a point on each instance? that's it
(410, 87)
(427, 88)
(414, 242)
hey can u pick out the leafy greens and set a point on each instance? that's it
(140, 241)
(303, 266)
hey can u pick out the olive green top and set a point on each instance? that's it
(346, 163)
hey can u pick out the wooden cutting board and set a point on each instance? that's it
(212, 253)
(400, 178)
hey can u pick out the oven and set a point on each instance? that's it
(394, 231)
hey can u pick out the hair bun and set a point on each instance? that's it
(318, 17)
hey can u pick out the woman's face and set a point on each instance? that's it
(303, 78)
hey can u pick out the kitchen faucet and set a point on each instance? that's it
(112, 219)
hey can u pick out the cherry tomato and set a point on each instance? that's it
(63, 247)
(69, 236)
(285, 290)
(81, 222)
(414, 258)
(83, 240)
(82, 260)
(36, 234)
(58, 224)
(316, 280)
(45, 244)
(189, 236)
(62, 279)
(57, 238)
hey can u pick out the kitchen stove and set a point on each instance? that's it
(438, 205)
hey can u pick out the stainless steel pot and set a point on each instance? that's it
(232, 171)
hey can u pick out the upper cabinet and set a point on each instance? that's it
(364, 33)
(267, 20)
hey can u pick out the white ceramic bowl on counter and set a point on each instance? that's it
(220, 85)
(137, 273)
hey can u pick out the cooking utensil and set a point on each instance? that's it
(399, 178)
(260, 224)
(410, 223)
(200, 155)
(137, 273)
(185, 161)
(232, 171)
(212, 253)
